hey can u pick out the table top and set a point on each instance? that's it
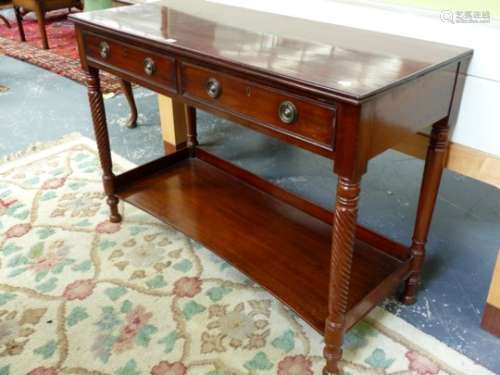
(345, 61)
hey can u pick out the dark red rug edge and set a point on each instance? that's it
(61, 65)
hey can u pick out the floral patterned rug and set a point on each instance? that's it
(80, 295)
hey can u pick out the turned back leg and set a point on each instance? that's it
(433, 170)
(192, 135)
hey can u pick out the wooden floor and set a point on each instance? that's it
(280, 247)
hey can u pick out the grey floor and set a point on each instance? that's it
(40, 106)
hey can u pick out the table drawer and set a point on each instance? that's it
(295, 116)
(144, 66)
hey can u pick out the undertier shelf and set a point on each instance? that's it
(285, 250)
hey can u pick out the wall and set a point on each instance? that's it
(493, 6)
(478, 124)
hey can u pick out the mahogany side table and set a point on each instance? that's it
(342, 93)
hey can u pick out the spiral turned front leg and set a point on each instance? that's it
(102, 139)
(343, 235)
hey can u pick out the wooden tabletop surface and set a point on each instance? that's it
(345, 61)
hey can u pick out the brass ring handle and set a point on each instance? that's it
(213, 88)
(104, 50)
(288, 112)
(149, 66)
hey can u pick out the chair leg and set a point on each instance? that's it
(20, 27)
(5, 20)
(127, 90)
(40, 17)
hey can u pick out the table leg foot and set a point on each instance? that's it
(114, 216)
(409, 297)
(326, 372)
(334, 334)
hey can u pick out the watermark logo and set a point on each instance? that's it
(465, 16)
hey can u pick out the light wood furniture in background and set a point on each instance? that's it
(173, 120)
(491, 314)
(459, 158)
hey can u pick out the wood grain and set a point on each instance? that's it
(342, 61)
(248, 228)
(315, 121)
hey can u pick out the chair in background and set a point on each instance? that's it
(5, 4)
(40, 7)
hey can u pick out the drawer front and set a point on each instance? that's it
(144, 66)
(294, 116)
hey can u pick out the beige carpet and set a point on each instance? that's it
(79, 295)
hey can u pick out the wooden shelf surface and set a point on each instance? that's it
(282, 248)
